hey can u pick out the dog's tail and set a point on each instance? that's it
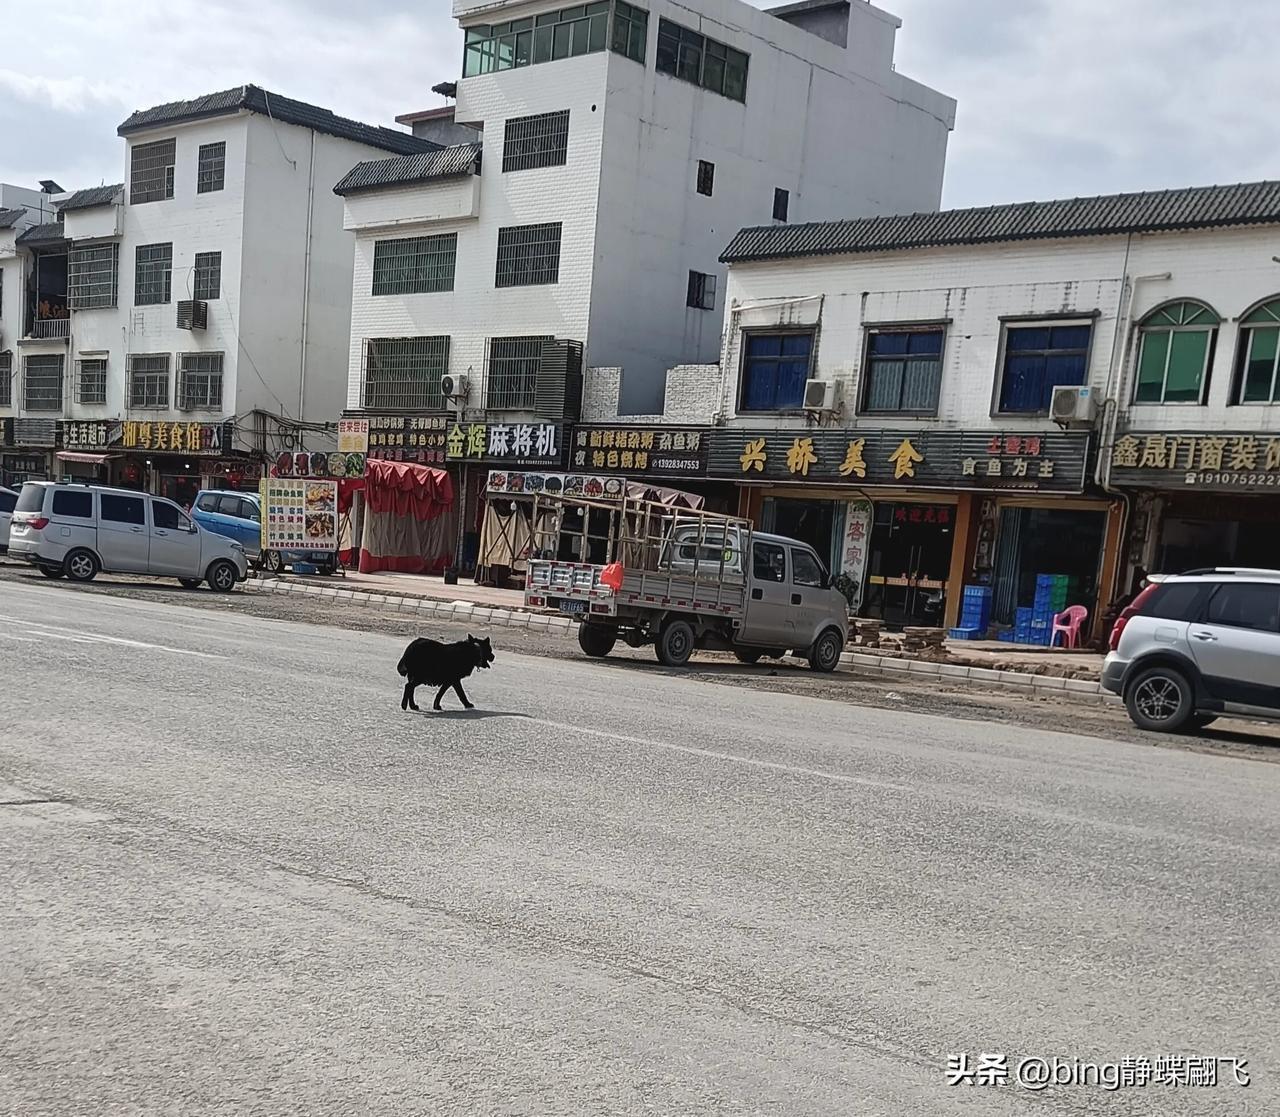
(402, 667)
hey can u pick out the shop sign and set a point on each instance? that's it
(319, 463)
(353, 436)
(299, 514)
(653, 451)
(93, 435)
(158, 435)
(555, 484)
(854, 548)
(1053, 462)
(1202, 461)
(23, 463)
(404, 438)
(505, 443)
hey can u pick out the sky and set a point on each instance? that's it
(1056, 97)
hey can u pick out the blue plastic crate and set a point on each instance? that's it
(1006, 638)
(1023, 613)
(966, 633)
(983, 592)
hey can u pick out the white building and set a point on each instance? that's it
(947, 333)
(212, 288)
(617, 147)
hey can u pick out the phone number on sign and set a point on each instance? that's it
(1269, 480)
(687, 464)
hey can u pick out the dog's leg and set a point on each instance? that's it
(439, 695)
(463, 695)
(406, 702)
(411, 687)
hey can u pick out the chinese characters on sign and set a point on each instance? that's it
(1207, 460)
(297, 514)
(176, 438)
(502, 442)
(81, 435)
(665, 451)
(1054, 461)
(353, 436)
(403, 438)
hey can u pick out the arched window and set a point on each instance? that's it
(1256, 377)
(1174, 353)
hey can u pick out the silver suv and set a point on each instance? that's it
(1192, 647)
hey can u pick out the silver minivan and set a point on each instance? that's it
(75, 531)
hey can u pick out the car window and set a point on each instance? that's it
(769, 563)
(123, 509)
(208, 502)
(1245, 605)
(8, 501)
(67, 502)
(168, 516)
(1176, 601)
(229, 505)
(248, 510)
(31, 499)
(805, 569)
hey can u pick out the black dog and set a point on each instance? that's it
(428, 662)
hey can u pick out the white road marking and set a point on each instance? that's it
(78, 636)
(732, 758)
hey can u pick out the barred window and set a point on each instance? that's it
(512, 381)
(42, 382)
(149, 380)
(92, 280)
(151, 171)
(211, 168)
(91, 380)
(536, 141)
(199, 381)
(403, 373)
(414, 265)
(528, 255)
(152, 275)
(206, 282)
(6, 379)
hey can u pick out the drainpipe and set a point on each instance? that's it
(306, 280)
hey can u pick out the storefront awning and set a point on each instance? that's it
(84, 459)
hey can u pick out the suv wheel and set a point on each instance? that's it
(1160, 699)
(80, 565)
(824, 656)
(222, 576)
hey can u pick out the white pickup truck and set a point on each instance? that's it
(681, 580)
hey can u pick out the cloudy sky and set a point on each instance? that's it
(1057, 97)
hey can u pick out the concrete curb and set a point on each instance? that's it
(888, 667)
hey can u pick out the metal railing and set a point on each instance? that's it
(50, 329)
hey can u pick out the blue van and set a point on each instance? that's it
(239, 517)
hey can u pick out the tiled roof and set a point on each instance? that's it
(255, 99)
(39, 233)
(1200, 207)
(10, 217)
(447, 162)
(93, 196)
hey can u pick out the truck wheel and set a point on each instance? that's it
(675, 644)
(748, 656)
(824, 656)
(81, 565)
(596, 640)
(222, 576)
(1160, 699)
(272, 563)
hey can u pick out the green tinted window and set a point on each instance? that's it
(1174, 358)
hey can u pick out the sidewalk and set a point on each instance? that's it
(1034, 671)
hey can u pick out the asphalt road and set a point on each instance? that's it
(238, 879)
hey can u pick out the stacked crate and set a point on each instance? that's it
(975, 614)
(1052, 593)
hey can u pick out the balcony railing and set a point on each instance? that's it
(50, 329)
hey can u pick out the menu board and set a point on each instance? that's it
(297, 514)
(557, 484)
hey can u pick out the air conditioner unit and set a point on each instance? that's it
(193, 314)
(820, 395)
(454, 385)
(1072, 405)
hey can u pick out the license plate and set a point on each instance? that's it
(573, 606)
